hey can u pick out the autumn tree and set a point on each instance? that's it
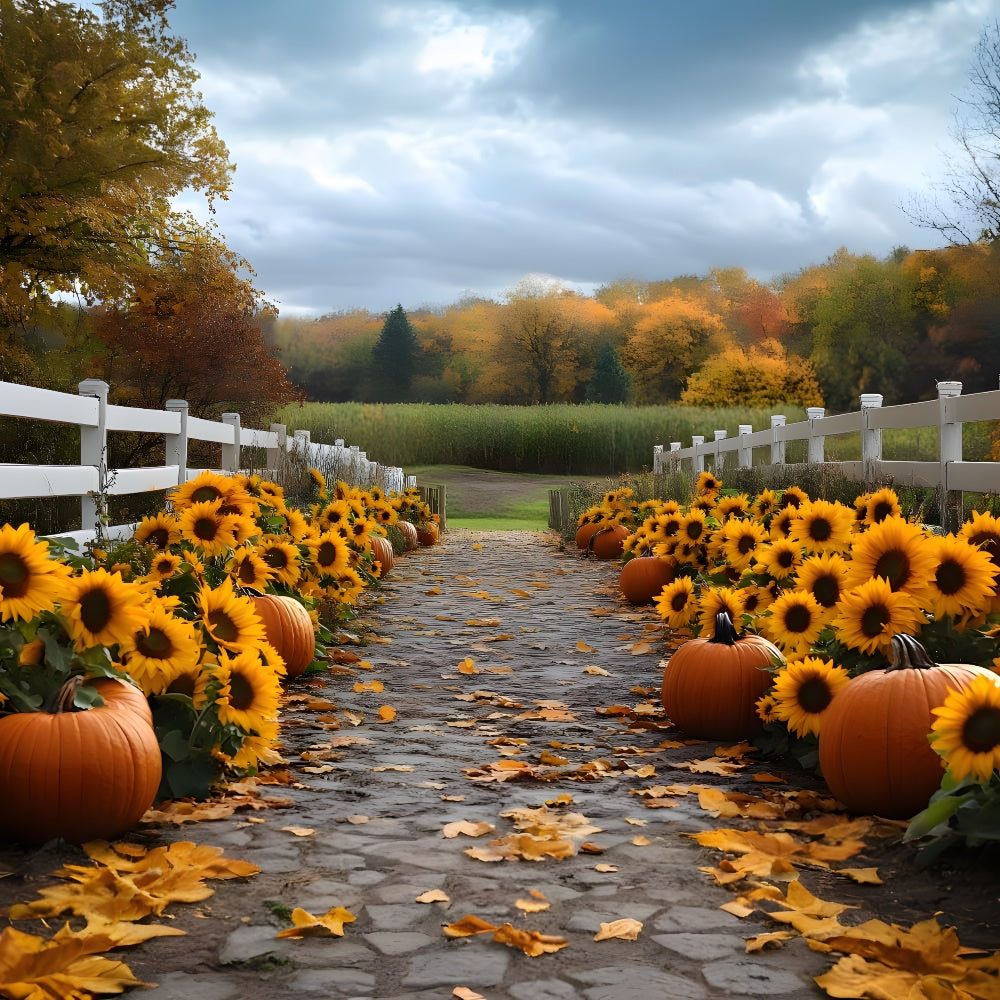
(760, 376)
(101, 127)
(610, 382)
(395, 358)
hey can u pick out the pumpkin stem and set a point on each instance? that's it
(908, 654)
(725, 630)
(63, 701)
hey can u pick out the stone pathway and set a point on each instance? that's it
(378, 814)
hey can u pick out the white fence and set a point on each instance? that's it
(92, 480)
(950, 474)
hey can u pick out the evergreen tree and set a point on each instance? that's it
(610, 383)
(395, 358)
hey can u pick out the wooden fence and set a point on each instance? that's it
(92, 481)
(949, 475)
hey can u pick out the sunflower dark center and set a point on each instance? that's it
(155, 644)
(790, 500)
(826, 590)
(880, 511)
(206, 528)
(694, 529)
(222, 626)
(950, 577)
(747, 543)
(820, 529)
(182, 685)
(814, 695)
(96, 609)
(786, 559)
(989, 542)
(679, 601)
(158, 537)
(205, 494)
(165, 567)
(247, 572)
(981, 731)
(894, 566)
(672, 526)
(326, 554)
(14, 575)
(241, 692)
(798, 618)
(751, 603)
(873, 618)
(276, 558)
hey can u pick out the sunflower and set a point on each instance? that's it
(330, 552)
(781, 523)
(194, 681)
(258, 748)
(756, 598)
(983, 530)
(895, 550)
(707, 483)
(738, 540)
(242, 526)
(282, 558)
(333, 515)
(880, 505)
(824, 577)
(160, 531)
(360, 533)
(163, 566)
(384, 512)
(206, 487)
(248, 569)
(30, 582)
(765, 708)
(345, 586)
(714, 600)
(667, 523)
(781, 559)
(676, 602)
(319, 481)
(249, 691)
(204, 525)
(822, 527)
(272, 493)
(101, 609)
(966, 731)
(803, 690)
(765, 504)
(692, 527)
(296, 524)
(163, 649)
(795, 621)
(230, 619)
(964, 579)
(705, 504)
(738, 506)
(867, 617)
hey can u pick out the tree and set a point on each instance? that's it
(610, 382)
(100, 127)
(972, 183)
(395, 357)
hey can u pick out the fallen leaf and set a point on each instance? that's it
(761, 941)
(330, 924)
(375, 686)
(463, 992)
(626, 929)
(467, 829)
(393, 767)
(532, 943)
(298, 831)
(641, 841)
(584, 648)
(865, 876)
(468, 926)
(386, 713)
(433, 896)
(605, 868)
(596, 670)
(357, 819)
(537, 904)
(467, 666)
(483, 622)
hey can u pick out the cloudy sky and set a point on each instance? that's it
(415, 152)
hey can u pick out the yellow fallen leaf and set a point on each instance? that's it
(537, 904)
(477, 546)
(761, 941)
(433, 896)
(584, 648)
(865, 876)
(605, 868)
(376, 686)
(298, 831)
(463, 992)
(357, 819)
(393, 767)
(641, 841)
(467, 829)
(433, 592)
(483, 622)
(593, 669)
(330, 924)
(467, 666)
(468, 926)
(386, 713)
(626, 929)
(532, 943)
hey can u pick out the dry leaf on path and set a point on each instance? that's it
(532, 943)
(468, 926)
(433, 896)
(625, 929)
(463, 992)
(537, 904)
(386, 713)
(330, 924)
(298, 831)
(467, 829)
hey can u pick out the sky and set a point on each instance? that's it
(409, 152)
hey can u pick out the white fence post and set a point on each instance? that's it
(699, 459)
(231, 452)
(815, 447)
(950, 450)
(744, 454)
(274, 455)
(177, 444)
(657, 459)
(871, 438)
(719, 457)
(777, 447)
(94, 449)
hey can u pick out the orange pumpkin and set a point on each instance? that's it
(382, 551)
(409, 532)
(643, 577)
(586, 531)
(288, 628)
(427, 532)
(711, 685)
(873, 747)
(79, 775)
(609, 541)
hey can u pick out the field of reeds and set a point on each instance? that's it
(563, 439)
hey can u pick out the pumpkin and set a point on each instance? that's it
(586, 531)
(873, 747)
(643, 577)
(427, 532)
(711, 685)
(382, 551)
(80, 775)
(288, 628)
(609, 542)
(409, 532)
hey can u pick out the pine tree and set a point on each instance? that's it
(395, 357)
(610, 383)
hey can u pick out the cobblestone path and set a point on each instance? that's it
(533, 619)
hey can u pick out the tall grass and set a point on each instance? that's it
(563, 439)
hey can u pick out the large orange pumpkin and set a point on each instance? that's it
(288, 628)
(382, 551)
(643, 577)
(609, 541)
(79, 775)
(409, 532)
(427, 532)
(586, 531)
(873, 748)
(711, 685)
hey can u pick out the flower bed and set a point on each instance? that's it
(837, 589)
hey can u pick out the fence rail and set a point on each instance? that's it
(92, 480)
(950, 474)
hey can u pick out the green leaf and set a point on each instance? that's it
(175, 745)
(192, 778)
(938, 812)
(86, 697)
